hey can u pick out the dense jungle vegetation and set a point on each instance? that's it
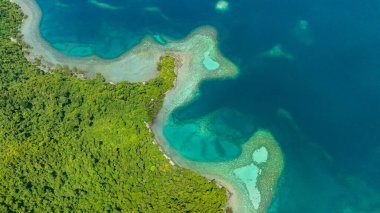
(82, 145)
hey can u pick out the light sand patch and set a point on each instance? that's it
(260, 155)
(248, 176)
(209, 63)
(159, 39)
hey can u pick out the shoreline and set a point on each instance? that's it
(138, 65)
(40, 49)
(182, 84)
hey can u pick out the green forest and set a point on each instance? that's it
(68, 144)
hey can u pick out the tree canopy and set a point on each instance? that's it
(68, 144)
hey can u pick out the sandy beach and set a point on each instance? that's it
(136, 65)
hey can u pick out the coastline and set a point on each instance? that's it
(189, 76)
(240, 192)
(51, 57)
(138, 65)
(135, 65)
(190, 73)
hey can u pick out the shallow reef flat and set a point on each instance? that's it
(250, 179)
(218, 136)
(251, 182)
(136, 65)
(250, 168)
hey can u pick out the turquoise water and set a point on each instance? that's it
(216, 137)
(318, 60)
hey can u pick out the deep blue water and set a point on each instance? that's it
(331, 87)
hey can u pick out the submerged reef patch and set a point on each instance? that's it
(222, 5)
(104, 5)
(218, 144)
(217, 136)
(277, 51)
(251, 184)
(302, 32)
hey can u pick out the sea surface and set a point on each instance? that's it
(309, 72)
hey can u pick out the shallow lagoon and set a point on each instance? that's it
(329, 87)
